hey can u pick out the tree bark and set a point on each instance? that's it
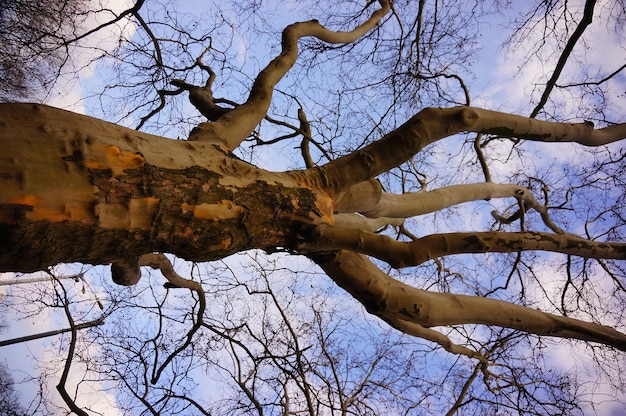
(402, 254)
(77, 189)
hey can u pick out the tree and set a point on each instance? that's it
(32, 46)
(101, 193)
(9, 398)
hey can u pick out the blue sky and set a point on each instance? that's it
(499, 84)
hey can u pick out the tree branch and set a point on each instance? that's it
(432, 124)
(392, 300)
(417, 330)
(419, 203)
(234, 126)
(404, 254)
(360, 222)
(71, 404)
(159, 261)
(567, 51)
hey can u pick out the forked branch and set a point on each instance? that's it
(419, 203)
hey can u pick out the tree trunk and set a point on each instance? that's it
(78, 189)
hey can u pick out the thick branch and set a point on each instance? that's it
(162, 263)
(402, 254)
(432, 124)
(360, 222)
(234, 126)
(420, 203)
(392, 301)
(362, 197)
(509, 125)
(202, 98)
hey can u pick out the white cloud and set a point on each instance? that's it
(68, 91)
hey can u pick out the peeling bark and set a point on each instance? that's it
(77, 189)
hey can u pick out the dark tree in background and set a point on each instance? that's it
(35, 39)
(411, 251)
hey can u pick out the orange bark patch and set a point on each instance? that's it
(138, 214)
(31, 200)
(223, 210)
(325, 204)
(115, 159)
(49, 209)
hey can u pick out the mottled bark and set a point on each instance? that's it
(433, 124)
(77, 189)
(402, 254)
(231, 128)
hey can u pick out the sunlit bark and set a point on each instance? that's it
(117, 194)
(100, 193)
(419, 203)
(433, 124)
(77, 189)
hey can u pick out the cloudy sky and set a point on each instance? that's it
(499, 84)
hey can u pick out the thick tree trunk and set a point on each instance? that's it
(78, 189)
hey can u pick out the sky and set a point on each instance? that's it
(498, 85)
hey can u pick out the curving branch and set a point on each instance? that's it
(174, 280)
(481, 157)
(236, 125)
(161, 262)
(598, 82)
(403, 254)
(394, 301)
(433, 124)
(417, 330)
(127, 272)
(307, 136)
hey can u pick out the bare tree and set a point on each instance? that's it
(33, 50)
(9, 397)
(378, 203)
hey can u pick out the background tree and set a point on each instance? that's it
(34, 47)
(9, 398)
(355, 194)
